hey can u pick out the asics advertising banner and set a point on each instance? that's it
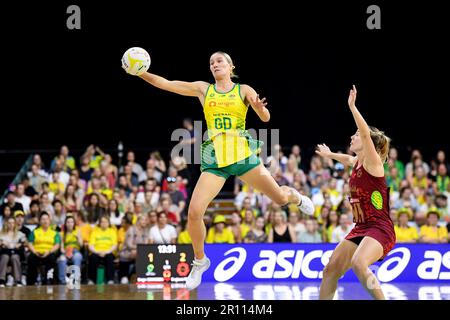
(305, 262)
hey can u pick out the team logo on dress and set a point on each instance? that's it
(377, 200)
(232, 95)
(212, 103)
(358, 173)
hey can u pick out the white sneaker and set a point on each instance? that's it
(10, 281)
(90, 282)
(124, 280)
(110, 282)
(195, 277)
(306, 205)
(2, 285)
(24, 280)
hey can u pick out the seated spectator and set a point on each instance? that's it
(59, 216)
(256, 233)
(135, 167)
(247, 205)
(151, 172)
(95, 155)
(12, 242)
(5, 214)
(416, 161)
(11, 204)
(342, 230)
(311, 235)
(71, 203)
(100, 187)
(68, 161)
(19, 216)
(130, 176)
(183, 236)
(159, 162)
(36, 179)
(136, 234)
(115, 216)
(180, 164)
(247, 223)
(330, 225)
(45, 202)
(71, 245)
(432, 232)
(235, 227)
(218, 233)
(55, 185)
(127, 222)
(441, 182)
(152, 219)
(85, 228)
(43, 243)
(177, 197)
(86, 171)
(32, 218)
(102, 244)
(172, 215)
(281, 231)
(250, 197)
(94, 209)
(393, 162)
(443, 207)
(403, 231)
(162, 232)
(406, 199)
(22, 198)
(109, 170)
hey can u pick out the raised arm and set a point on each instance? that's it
(258, 105)
(191, 89)
(372, 159)
(345, 159)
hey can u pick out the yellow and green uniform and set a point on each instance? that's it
(71, 239)
(184, 237)
(245, 228)
(406, 234)
(225, 237)
(43, 241)
(230, 150)
(103, 240)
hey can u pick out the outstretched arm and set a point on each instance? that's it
(345, 159)
(372, 159)
(192, 89)
(259, 105)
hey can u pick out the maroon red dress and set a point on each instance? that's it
(370, 206)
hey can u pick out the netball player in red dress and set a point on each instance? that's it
(373, 235)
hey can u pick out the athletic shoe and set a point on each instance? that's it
(19, 284)
(124, 280)
(110, 282)
(90, 282)
(195, 277)
(305, 205)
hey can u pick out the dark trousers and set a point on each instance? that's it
(35, 262)
(95, 261)
(124, 268)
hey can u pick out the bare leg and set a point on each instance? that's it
(339, 264)
(368, 252)
(206, 189)
(261, 179)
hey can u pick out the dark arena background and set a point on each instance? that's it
(63, 85)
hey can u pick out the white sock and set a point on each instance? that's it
(201, 260)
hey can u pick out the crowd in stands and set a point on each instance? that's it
(91, 213)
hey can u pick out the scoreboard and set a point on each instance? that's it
(158, 263)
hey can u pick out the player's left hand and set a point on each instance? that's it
(257, 103)
(352, 97)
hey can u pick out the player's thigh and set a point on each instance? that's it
(340, 260)
(206, 189)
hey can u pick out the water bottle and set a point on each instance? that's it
(101, 275)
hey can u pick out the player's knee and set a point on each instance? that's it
(332, 270)
(195, 212)
(358, 265)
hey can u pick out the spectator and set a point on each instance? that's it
(419, 178)
(416, 161)
(131, 177)
(102, 244)
(179, 163)
(406, 199)
(93, 209)
(291, 170)
(95, 155)
(331, 223)
(127, 222)
(162, 232)
(21, 198)
(276, 160)
(247, 205)
(56, 186)
(19, 216)
(5, 214)
(36, 179)
(159, 162)
(85, 228)
(115, 216)
(85, 170)
(100, 187)
(125, 187)
(442, 180)
(11, 203)
(403, 231)
(152, 219)
(109, 170)
(59, 215)
(37, 160)
(257, 233)
(171, 214)
(341, 231)
(45, 203)
(176, 196)
(136, 234)
(295, 154)
(71, 203)
(235, 227)
(136, 168)
(11, 243)
(393, 162)
(280, 178)
(311, 235)
(249, 196)
(443, 207)
(32, 218)
(281, 231)
(71, 244)
(294, 222)
(151, 172)
(68, 161)
(432, 232)
(218, 233)
(247, 223)
(393, 179)
(183, 236)
(152, 187)
(43, 243)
